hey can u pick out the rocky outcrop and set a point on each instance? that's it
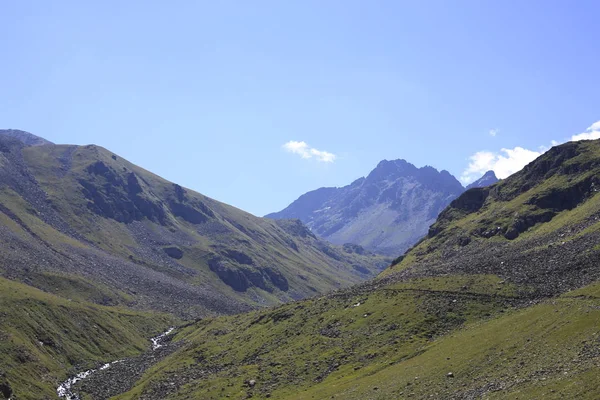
(118, 198)
(193, 211)
(174, 252)
(567, 198)
(5, 388)
(242, 277)
(470, 201)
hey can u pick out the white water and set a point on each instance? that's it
(156, 341)
(64, 390)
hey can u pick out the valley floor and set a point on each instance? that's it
(442, 338)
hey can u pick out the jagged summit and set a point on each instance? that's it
(387, 211)
(29, 139)
(489, 178)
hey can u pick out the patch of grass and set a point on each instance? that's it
(295, 347)
(545, 351)
(44, 337)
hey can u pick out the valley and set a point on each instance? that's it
(499, 299)
(492, 316)
(299, 200)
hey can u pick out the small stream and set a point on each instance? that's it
(64, 390)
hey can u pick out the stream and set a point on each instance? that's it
(65, 389)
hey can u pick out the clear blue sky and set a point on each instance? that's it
(206, 93)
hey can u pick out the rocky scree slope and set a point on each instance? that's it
(386, 212)
(81, 222)
(474, 310)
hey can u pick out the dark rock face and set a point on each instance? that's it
(113, 197)
(174, 252)
(238, 257)
(230, 275)
(123, 199)
(192, 211)
(6, 390)
(353, 248)
(187, 213)
(554, 161)
(489, 178)
(242, 277)
(567, 198)
(385, 212)
(277, 279)
(472, 200)
(295, 227)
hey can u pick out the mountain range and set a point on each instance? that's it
(386, 212)
(500, 300)
(84, 214)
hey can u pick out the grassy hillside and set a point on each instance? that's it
(473, 311)
(125, 236)
(402, 341)
(557, 193)
(45, 338)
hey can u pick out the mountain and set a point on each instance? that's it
(489, 178)
(82, 222)
(99, 255)
(386, 212)
(27, 138)
(500, 300)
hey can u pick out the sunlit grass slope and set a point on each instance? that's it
(44, 338)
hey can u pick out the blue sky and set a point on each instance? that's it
(208, 94)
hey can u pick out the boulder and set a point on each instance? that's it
(174, 252)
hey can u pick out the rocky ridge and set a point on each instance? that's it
(386, 212)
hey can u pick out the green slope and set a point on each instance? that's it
(131, 238)
(45, 338)
(397, 344)
(503, 294)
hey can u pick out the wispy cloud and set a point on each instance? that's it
(593, 132)
(508, 161)
(305, 151)
(504, 163)
(494, 132)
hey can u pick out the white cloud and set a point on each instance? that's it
(503, 163)
(508, 161)
(305, 151)
(591, 133)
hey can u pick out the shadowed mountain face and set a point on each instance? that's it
(386, 212)
(81, 221)
(489, 178)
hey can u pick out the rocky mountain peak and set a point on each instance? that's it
(387, 170)
(489, 178)
(386, 212)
